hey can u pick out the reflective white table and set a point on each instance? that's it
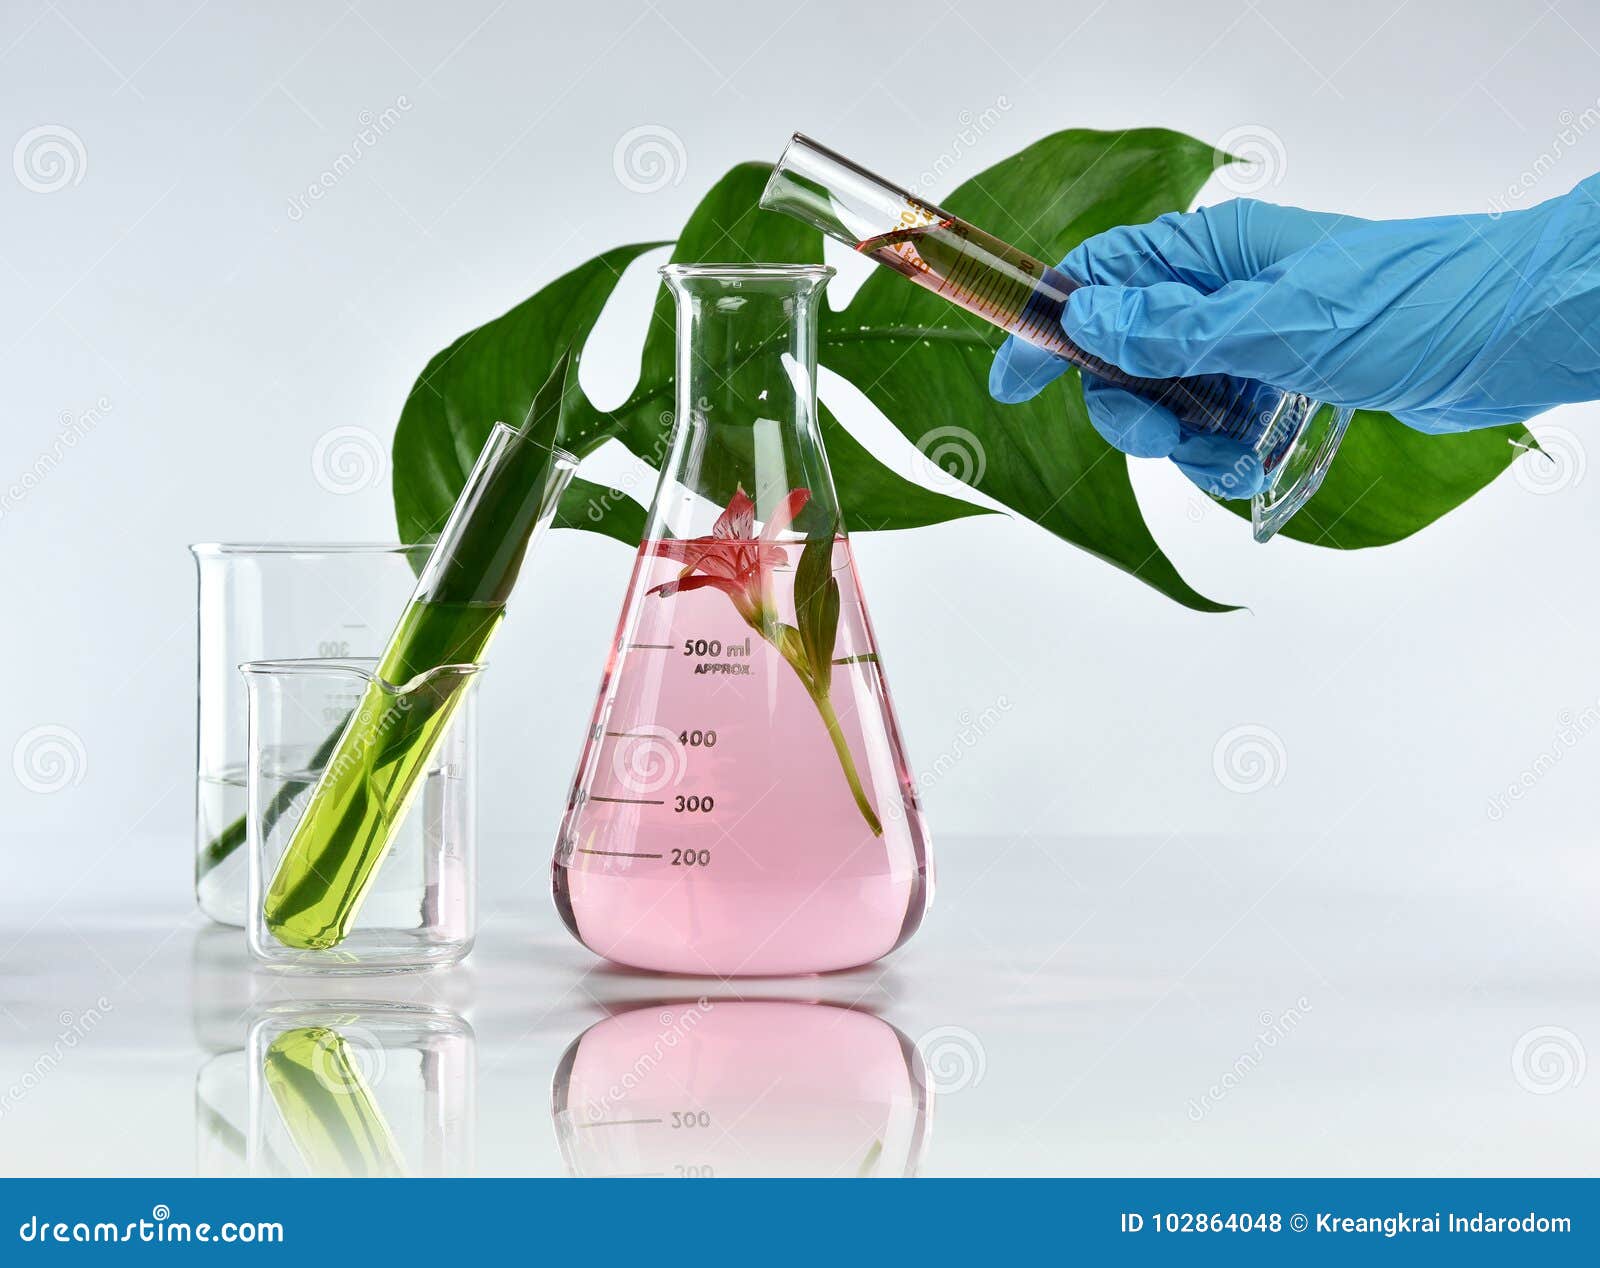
(1071, 1007)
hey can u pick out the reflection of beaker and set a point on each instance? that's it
(743, 803)
(221, 1106)
(741, 1088)
(361, 1089)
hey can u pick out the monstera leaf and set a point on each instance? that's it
(924, 364)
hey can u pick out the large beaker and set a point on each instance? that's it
(743, 804)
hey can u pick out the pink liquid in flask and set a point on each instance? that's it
(724, 820)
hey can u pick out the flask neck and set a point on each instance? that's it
(745, 397)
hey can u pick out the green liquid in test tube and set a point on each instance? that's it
(377, 763)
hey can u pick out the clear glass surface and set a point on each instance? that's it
(743, 803)
(415, 907)
(261, 601)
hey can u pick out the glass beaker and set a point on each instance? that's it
(417, 907)
(1293, 437)
(361, 1089)
(743, 803)
(731, 1088)
(261, 601)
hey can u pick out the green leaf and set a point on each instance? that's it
(728, 227)
(478, 559)
(925, 363)
(816, 606)
(490, 375)
(1387, 481)
(599, 509)
(873, 496)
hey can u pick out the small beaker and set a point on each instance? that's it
(360, 1089)
(417, 909)
(272, 600)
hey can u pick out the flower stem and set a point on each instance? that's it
(830, 719)
(775, 632)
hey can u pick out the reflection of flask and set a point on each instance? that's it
(741, 1088)
(743, 804)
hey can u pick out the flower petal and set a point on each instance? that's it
(739, 520)
(698, 581)
(783, 514)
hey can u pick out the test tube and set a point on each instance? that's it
(1292, 435)
(374, 766)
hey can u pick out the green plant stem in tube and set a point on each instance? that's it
(376, 767)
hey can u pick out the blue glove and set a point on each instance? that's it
(1449, 323)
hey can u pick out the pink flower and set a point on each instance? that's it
(734, 559)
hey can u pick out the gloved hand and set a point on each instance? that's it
(1450, 323)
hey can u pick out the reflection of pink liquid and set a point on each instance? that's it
(741, 1088)
(711, 828)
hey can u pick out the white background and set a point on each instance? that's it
(221, 338)
(1408, 686)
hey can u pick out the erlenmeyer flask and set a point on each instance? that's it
(743, 804)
